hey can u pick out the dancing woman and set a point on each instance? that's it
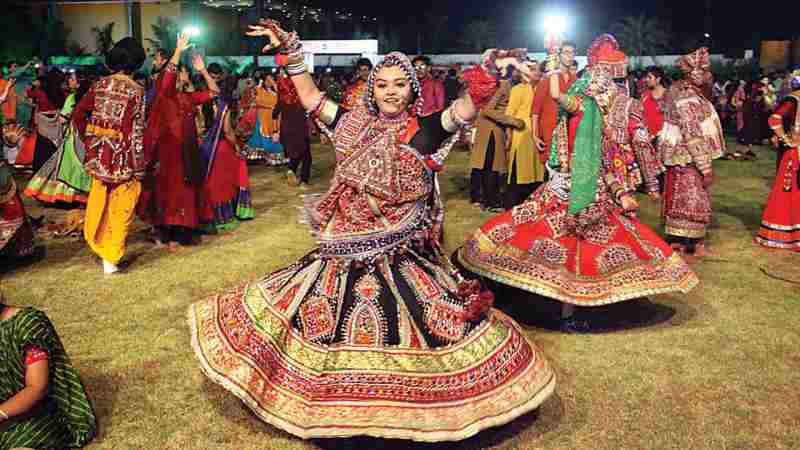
(577, 239)
(371, 333)
(780, 223)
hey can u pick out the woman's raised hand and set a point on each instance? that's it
(271, 30)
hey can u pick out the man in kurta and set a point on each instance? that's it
(689, 141)
(488, 158)
(171, 201)
(525, 169)
(545, 108)
(110, 121)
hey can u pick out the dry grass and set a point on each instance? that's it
(717, 368)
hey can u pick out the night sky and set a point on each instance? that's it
(734, 25)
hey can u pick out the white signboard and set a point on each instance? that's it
(351, 47)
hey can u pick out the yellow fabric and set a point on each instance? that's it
(266, 101)
(109, 213)
(529, 168)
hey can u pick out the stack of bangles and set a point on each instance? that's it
(293, 62)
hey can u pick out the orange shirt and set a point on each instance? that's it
(547, 109)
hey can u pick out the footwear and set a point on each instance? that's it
(291, 179)
(109, 267)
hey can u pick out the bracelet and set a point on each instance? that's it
(3, 415)
(296, 68)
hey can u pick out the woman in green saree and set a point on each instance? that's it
(43, 404)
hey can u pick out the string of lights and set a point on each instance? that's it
(288, 9)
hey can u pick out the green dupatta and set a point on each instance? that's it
(584, 165)
(65, 417)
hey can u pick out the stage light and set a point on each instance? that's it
(191, 31)
(555, 25)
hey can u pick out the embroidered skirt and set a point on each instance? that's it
(335, 348)
(596, 258)
(780, 223)
(686, 210)
(16, 233)
(47, 186)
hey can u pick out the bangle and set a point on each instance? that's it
(3, 415)
(296, 68)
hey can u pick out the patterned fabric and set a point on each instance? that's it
(45, 185)
(595, 254)
(378, 369)
(355, 94)
(65, 417)
(34, 354)
(686, 208)
(371, 334)
(780, 222)
(16, 232)
(597, 257)
(692, 133)
(114, 134)
(628, 147)
(583, 161)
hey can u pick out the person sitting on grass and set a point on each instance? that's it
(43, 403)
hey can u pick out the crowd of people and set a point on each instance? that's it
(376, 331)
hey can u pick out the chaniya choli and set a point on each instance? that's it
(16, 232)
(690, 140)
(63, 178)
(571, 240)
(780, 222)
(373, 333)
(263, 110)
(226, 197)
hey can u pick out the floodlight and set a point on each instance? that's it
(191, 31)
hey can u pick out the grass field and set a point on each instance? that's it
(718, 368)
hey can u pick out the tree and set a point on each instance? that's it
(18, 26)
(165, 31)
(103, 38)
(642, 35)
(479, 35)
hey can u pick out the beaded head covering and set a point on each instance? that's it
(698, 59)
(604, 54)
(395, 59)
